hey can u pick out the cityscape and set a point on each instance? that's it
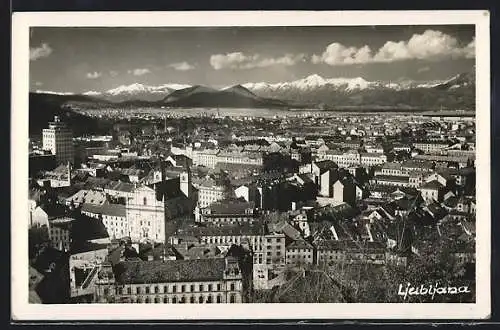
(341, 171)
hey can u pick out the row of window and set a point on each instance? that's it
(293, 256)
(173, 289)
(182, 300)
(299, 250)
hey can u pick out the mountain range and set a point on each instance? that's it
(313, 91)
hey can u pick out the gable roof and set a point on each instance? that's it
(434, 185)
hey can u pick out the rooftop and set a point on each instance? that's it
(117, 210)
(230, 206)
(120, 186)
(140, 272)
(434, 184)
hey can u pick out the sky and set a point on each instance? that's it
(69, 59)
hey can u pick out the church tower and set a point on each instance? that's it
(185, 182)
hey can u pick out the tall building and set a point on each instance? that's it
(58, 138)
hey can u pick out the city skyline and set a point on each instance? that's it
(104, 58)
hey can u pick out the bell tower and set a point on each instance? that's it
(185, 182)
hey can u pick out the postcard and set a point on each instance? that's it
(259, 165)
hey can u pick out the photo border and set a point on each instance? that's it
(21, 310)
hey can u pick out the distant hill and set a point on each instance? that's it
(136, 91)
(233, 97)
(44, 106)
(313, 92)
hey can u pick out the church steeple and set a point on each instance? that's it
(185, 181)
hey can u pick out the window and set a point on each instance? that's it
(129, 290)
(183, 288)
(209, 299)
(145, 201)
(200, 299)
(157, 289)
(201, 287)
(147, 289)
(191, 300)
(183, 300)
(174, 288)
(165, 288)
(210, 287)
(219, 299)
(192, 288)
(232, 298)
(174, 300)
(233, 287)
(138, 290)
(165, 300)
(218, 287)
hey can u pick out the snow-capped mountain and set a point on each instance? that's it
(312, 82)
(315, 81)
(457, 91)
(312, 91)
(137, 91)
(39, 91)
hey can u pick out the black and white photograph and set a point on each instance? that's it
(243, 166)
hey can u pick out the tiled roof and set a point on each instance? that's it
(88, 196)
(391, 166)
(120, 186)
(230, 206)
(417, 164)
(226, 230)
(299, 244)
(349, 245)
(140, 272)
(434, 184)
(392, 178)
(326, 164)
(117, 210)
(199, 252)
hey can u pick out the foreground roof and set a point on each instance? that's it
(142, 272)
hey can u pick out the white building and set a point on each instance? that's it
(59, 140)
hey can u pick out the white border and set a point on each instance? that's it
(21, 310)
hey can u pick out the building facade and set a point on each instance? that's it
(197, 281)
(58, 138)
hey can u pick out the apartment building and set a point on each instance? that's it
(58, 138)
(194, 281)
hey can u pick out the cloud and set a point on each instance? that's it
(423, 69)
(338, 54)
(43, 50)
(93, 75)
(430, 45)
(181, 66)
(470, 49)
(113, 73)
(238, 60)
(139, 72)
